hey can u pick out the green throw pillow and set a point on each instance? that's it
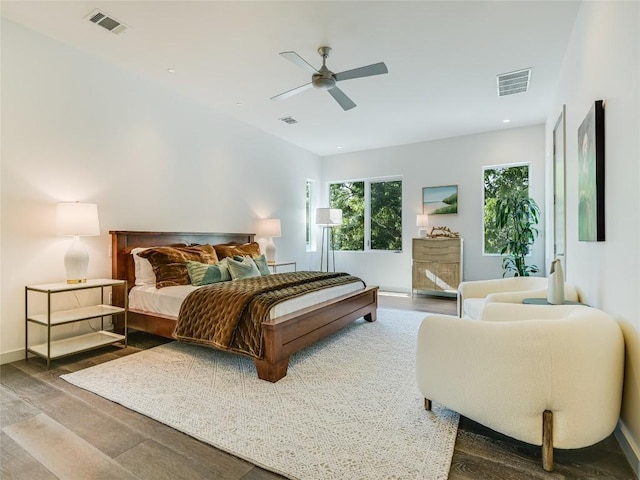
(205, 274)
(245, 269)
(261, 263)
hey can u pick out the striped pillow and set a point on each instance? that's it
(205, 274)
(245, 269)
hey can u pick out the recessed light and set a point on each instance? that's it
(238, 104)
(339, 148)
(506, 120)
(171, 70)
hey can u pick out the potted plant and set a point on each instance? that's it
(517, 214)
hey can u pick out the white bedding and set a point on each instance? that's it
(166, 301)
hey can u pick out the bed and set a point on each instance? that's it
(281, 336)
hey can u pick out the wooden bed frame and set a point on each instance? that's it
(281, 338)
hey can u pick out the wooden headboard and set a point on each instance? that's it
(122, 242)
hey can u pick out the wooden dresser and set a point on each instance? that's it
(437, 265)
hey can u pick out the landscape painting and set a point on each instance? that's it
(440, 200)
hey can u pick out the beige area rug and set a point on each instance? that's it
(349, 407)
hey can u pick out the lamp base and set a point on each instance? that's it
(270, 251)
(76, 262)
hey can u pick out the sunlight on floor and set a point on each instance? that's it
(393, 294)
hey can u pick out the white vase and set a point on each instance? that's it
(555, 289)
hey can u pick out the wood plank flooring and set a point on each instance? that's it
(53, 430)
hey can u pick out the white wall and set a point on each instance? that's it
(602, 63)
(75, 128)
(442, 162)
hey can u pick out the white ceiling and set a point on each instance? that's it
(442, 56)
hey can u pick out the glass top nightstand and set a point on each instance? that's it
(274, 265)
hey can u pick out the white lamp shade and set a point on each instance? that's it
(75, 218)
(328, 216)
(422, 220)
(270, 227)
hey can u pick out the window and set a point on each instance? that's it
(371, 214)
(497, 180)
(307, 213)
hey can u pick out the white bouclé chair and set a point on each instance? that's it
(524, 366)
(473, 295)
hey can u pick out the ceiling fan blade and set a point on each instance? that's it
(345, 102)
(298, 60)
(291, 93)
(369, 70)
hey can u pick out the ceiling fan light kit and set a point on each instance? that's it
(325, 79)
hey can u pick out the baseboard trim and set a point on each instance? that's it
(13, 356)
(629, 447)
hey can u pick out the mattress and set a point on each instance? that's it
(166, 301)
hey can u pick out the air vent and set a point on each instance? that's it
(289, 120)
(513, 82)
(107, 22)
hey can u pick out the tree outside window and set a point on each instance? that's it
(371, 215)
(386, 215)
(497, 180)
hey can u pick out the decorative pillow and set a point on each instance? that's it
(205, 274)
(244, 269)
(252, 249)
(261, 263)
(143, 268)
(169, 263)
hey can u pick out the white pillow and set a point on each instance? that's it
(144, 270)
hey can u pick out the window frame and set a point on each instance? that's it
(309, 220)
(367, 210)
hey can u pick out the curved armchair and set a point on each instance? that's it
(525, 363)
(474, 295)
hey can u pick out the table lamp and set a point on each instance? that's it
(270, 227)
(77, 219)
(422, 221)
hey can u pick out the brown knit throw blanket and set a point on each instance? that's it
(228, 315)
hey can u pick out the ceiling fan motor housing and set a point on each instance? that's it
(323, 81)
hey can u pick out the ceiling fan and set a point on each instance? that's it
(325, 79)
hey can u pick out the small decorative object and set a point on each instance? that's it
(422, 221)
(440, 200)
(442, 232)
(77, 219)
(591, 175)
(328, 218)
(555, 289)
(270, 227)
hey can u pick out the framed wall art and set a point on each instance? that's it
(440, 200)
(591, 175)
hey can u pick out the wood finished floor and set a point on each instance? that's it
(51, 429)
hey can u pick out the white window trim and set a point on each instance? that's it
(367, 210)
(311, 246)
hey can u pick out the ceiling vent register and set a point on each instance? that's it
(105, 21)
(289, 120)
(513, 82)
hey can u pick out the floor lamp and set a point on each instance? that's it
(328, 218)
